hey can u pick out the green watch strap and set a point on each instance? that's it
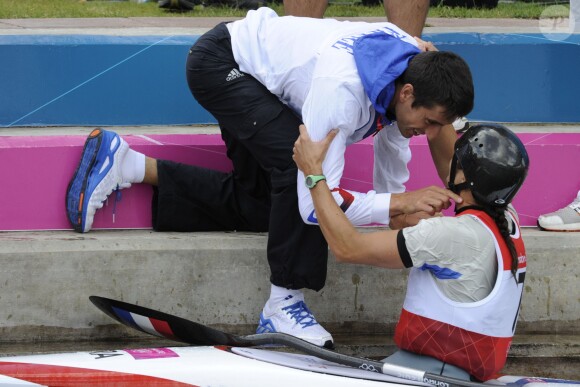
(311, 180)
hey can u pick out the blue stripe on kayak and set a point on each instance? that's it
(126, 317)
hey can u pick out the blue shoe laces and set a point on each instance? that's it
(300, 312)
(118, 198)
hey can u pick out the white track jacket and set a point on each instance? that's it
(322, 70)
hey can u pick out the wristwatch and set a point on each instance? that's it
(311, 180)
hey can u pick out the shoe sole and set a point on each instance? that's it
(82, 169)
(560, 228)
(328, 344)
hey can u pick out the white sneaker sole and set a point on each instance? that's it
(574, 227)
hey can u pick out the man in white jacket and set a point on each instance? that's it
(261, 77)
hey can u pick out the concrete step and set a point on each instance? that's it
(221, 279)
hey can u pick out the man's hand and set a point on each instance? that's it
(424, 45)
(308, 154)
(430, 200)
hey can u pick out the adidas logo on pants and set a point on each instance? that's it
(234, 74)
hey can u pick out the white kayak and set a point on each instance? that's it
(183, 366)
(220, 359)
(204, 366)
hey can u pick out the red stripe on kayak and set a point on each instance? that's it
(61, 376)
(162, 327)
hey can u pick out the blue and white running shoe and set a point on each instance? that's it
(292, 316)
(96, 177)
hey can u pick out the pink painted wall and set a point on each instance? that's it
(35, 172)
(553, 179)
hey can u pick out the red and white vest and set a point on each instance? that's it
(475, 336)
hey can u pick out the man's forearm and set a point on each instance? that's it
(349, 245)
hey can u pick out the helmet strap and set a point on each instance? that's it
(456, 188)
(451, 183)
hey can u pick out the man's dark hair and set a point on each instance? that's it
(440, 78)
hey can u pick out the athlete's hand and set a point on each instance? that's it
(424, 45)
(309, 155)
(430, 200)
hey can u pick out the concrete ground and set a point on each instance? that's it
(196, 25)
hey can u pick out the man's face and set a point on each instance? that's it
(420, 120)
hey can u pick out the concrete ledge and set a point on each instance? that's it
(221, 279)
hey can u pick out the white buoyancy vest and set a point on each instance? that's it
(475, 336)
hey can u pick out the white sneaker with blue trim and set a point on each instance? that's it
(98, 174)
(292, 316)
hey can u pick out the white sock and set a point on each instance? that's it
(278, 294)
(133, 167)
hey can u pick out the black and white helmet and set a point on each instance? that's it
(494, 161)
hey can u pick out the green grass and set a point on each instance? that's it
(17, 9)
(503, 10)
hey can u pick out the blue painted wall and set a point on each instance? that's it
(520, 78)
(105, 80)
(96, 80)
